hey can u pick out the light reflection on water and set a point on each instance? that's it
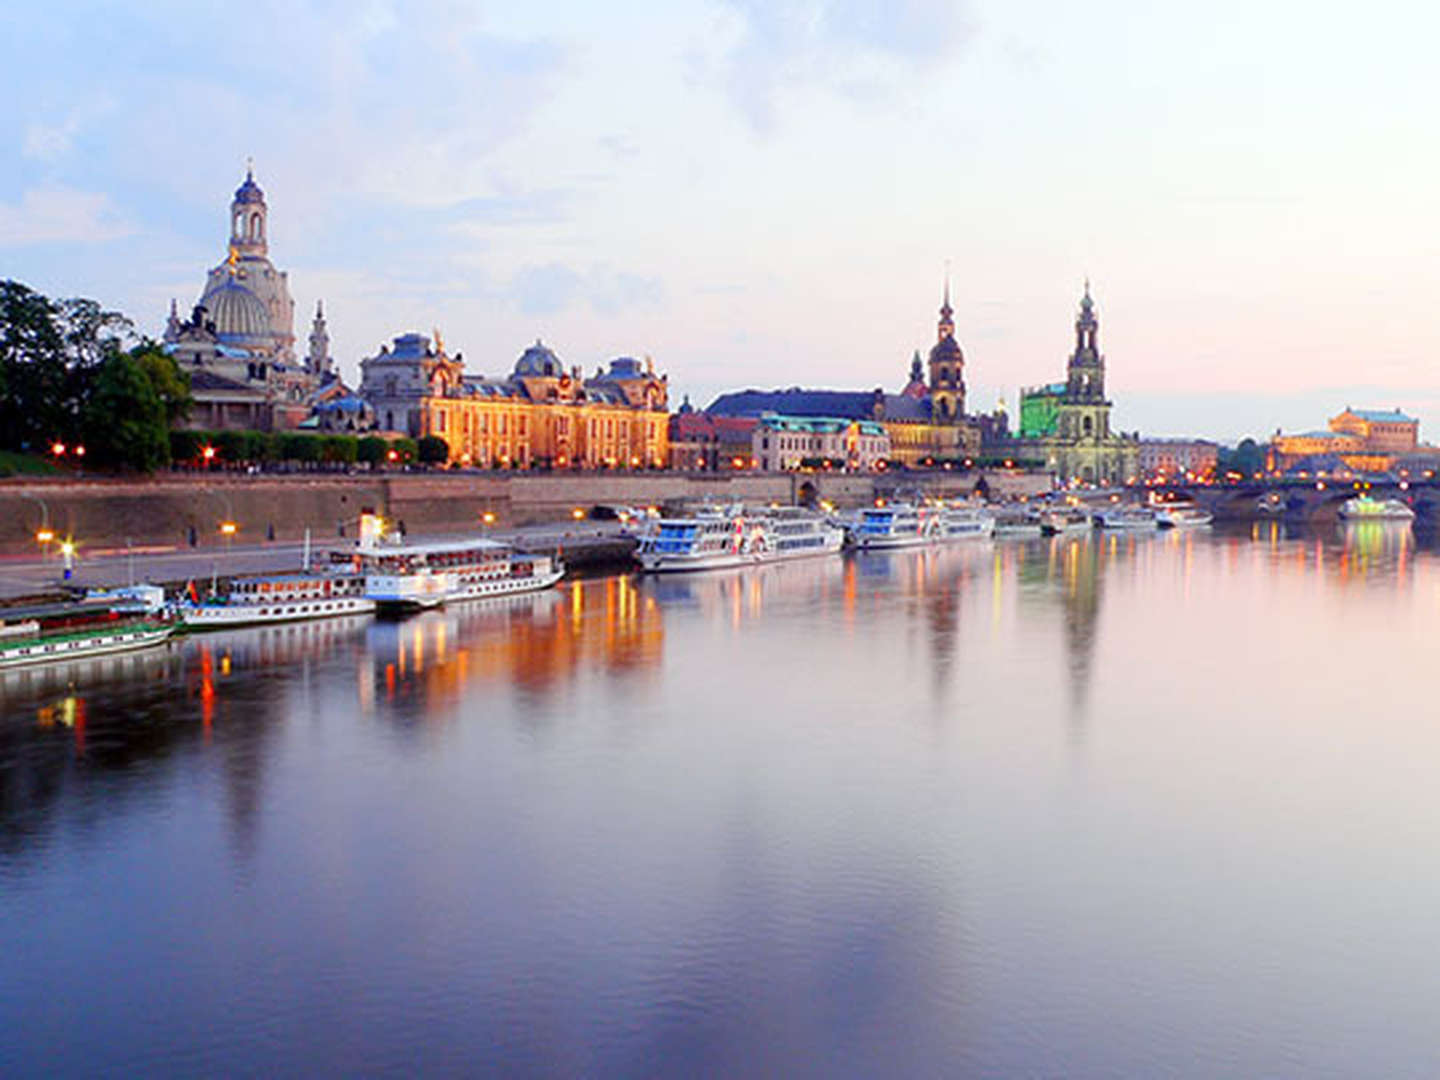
(1103, 804)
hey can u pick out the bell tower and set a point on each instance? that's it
(248, 212)
(947, 368)
(1084, 412)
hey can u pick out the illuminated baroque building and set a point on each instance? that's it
(541, 415)
(1366, 440)
(925, 422)
(238, 344)
(1067, 426)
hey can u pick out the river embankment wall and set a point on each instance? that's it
(188, 509)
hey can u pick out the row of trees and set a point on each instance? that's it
(239, 449)
(73, 373)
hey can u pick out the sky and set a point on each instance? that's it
(764, 193)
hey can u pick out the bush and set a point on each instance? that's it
(339, 449)
(433, 450)
(185, 446)
(297, 447)
(371, 450)
(405, 449)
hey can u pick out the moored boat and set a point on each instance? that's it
(1133, 518)
(74, 635)
(277, 598)
(1181, 514)
(1066, 519)
(400, 576)
(714, 537)
(1364, 508)
(1017, 521)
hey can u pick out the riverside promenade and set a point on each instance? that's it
(582, 544)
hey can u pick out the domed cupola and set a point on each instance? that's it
(538, 361)
(239, 315)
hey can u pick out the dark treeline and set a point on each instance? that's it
(242, 449)
(73, 373)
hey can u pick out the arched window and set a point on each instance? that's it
(1089, 426)
(255, 230)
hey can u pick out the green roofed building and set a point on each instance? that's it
(1040, 410)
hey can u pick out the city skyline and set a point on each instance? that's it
(767, 195)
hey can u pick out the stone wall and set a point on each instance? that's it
(183, 511)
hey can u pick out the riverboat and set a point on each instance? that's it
(713, 537)
(252, 601)
(71, 637)
(1068, 519)
(1364, 508)
(893, 525)
(1181, 514)
(904, 524)
(1017, 522)
(402, 576)
(1132, 518)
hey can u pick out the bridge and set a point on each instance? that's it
(1312, 500)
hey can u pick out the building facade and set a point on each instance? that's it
(540, 416)
(1363, 440)
(238, 344)
(784, 443)
(1178, 458)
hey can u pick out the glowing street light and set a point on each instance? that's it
(208, 454)
(67, 551)
(578, 514)
(57, 448)
(44, 536)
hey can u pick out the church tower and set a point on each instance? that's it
(1084, 413)
(947, 369)
(318, 361)
(247, 218)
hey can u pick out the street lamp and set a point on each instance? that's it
(67, 551)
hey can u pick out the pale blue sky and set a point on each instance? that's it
(762, 194)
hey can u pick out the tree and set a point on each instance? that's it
(185, 445)
(405, 449)
(1247, 458)
(172, 386)
(432, 450)
(124, 419)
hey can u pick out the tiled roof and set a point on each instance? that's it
(849, 404)
(1383, 416)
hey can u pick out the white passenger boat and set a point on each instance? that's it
(1134, 518)
(279, 598)
(1364, 508)
(893, 525)
(1017, 522)
(1067, 519)
(400, 576)
(1181, 514)
(905, 524)
(41, 641)
(715, 537)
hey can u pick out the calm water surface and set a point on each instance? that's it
(1108, 806)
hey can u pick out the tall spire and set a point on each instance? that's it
(318, 360)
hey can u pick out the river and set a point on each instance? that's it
(1095, 806)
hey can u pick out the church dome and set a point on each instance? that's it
(249, 191)
(538, 360)
(239, 314)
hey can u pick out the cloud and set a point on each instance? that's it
(51, 142)
(554, 287)
(61, 216)
(863, 49)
